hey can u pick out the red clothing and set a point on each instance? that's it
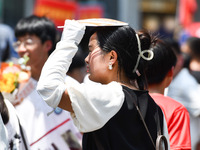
(178, 121)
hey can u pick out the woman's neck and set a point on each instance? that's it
(130, 84)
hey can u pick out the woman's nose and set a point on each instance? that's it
(86, 59)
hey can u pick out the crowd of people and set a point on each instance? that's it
(131, 90)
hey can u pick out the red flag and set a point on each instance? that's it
(57, 10)
(186, 11)
(194, 29)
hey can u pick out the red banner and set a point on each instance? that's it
(187, 9)
(194, 29)
(87, 12)
(58, 11)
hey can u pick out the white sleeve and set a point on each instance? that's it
(51, 83)
(94, 104)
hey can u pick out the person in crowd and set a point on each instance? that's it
(191, 48)
(185, 89)
(7, 38)
(16, 134)
(106, 112)
(159, 75)
(36, 39)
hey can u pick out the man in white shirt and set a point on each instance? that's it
(36, 38)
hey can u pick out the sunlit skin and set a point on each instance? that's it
(97, 62)
(37, 52)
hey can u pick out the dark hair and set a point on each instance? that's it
(39, 26)
(124, 42)
(194, 45)
(77, 61)
(174, 45)
(3, 110)
(164, 59)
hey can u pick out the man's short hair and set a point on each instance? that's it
(42, 27)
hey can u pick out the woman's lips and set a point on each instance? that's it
(88, 70)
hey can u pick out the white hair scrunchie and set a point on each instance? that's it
(141, 54)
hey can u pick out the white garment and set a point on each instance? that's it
(47, 132)
(13, 128)
(92, 108)
(3, 136)
(67, 48)
(186, 90)
(100, 107)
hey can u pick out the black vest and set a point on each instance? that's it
(125, 130)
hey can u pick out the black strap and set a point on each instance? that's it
(134, 101)
(22, 134)
(159, 140)
(158, 123)
(160, 137)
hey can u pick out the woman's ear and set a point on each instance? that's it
(113, 56)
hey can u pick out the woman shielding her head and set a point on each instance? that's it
(106, 112)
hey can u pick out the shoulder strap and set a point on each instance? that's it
(160, 137)
(159, 140)
(134, 101)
